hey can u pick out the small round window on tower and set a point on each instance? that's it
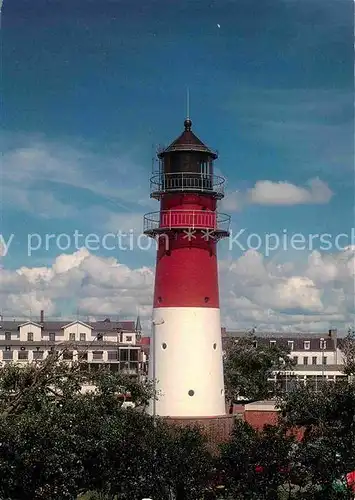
(160, 299)
(215, 346)
(164, 345)
(191, 392)
(207, 299)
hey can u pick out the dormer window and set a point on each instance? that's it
(71, 336)
(30, 337)
(307, 345)
(323, 344)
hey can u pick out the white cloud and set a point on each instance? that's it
(293, 295)
(284, 193)
(278, 193)
(317, 293)
(38, 176)
(46, 178)
(94, 285)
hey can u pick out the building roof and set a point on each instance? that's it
(282, 339)
(187, 141)
(100, 326)
(274, 335)
(298, 344)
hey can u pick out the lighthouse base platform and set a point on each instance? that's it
(217, 430)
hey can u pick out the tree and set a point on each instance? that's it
(249, 365)
(327, 451)
(57, 442)
(50, 433)
(348, 349)
(256, 464)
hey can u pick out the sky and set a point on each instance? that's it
(90, 89)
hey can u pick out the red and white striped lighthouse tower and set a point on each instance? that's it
(187, 348)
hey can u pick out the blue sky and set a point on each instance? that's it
(89, 87)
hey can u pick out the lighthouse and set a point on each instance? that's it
(186, 358)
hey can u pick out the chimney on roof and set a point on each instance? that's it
(332, 332)
(42, 316)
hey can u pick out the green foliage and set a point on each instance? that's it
(248, 366)
(58, 443)
(255, 464)
(313, 468)
(348, 348)
(327, 450)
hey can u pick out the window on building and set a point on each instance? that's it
(7, 335)
(295, 359)
(255, 344)
(272, 343)
(30, 337)
(100, 336)
(83, 336)
(133, 366)
(128, 338)
(7, 354)
(133, 354)
(324, 360)
(97, 354)
(323, 344)
(290, 344)
(305, 360)
(22, 355)
(307, 345)
(123, 354)
(314, 360)
(52, 337)
(71, 336)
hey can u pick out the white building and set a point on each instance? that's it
(115, 344)
(317, 356)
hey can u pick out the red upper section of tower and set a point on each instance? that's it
(187, 224)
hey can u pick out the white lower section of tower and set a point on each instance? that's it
(188, 365)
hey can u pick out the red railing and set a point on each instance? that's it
(186, 219)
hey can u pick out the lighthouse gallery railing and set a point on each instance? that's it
(187, 181)
(186, 219)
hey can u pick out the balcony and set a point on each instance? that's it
(187, 182)
(167, 220)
